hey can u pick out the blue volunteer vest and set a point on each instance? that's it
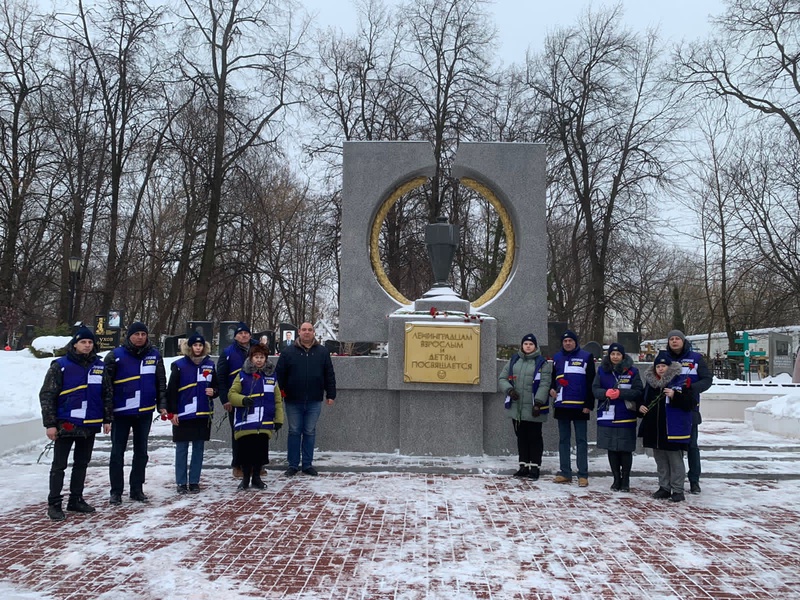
(614, 413)
(193, 382)
(262, 414)
(573, 367)
(235, 362)
(679, 421)
(135, 387)
(689, 361)
(81, 399)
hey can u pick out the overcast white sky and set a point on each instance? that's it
(524, 23)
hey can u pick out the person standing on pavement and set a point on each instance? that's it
(573, 401)
(526, 382)
(617, 389)
(136, 382)
(73, 411)
(229, 363)
(258, 412)
(305, 374)
(666, 424)
(190, 407)
(698, 379)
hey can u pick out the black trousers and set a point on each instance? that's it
(80, 460)
(530, 444)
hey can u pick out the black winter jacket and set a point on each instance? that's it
(304, 374)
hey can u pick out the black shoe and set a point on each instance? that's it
(661, 494)
(80, 505)
(194, 488)
(139, 497)
(625, 483)
(523, 471)
(617, 485)
(310, 471)
(55, 513)
(115, 499)
(678, 497)
(694, 487)
(291, 472)
(183, 488)
(258, 483)
(533, 473)
(243, 485)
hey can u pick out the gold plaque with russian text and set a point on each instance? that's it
(442, 354)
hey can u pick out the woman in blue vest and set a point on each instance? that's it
(617, 389)
(526, 382)
(191, 391)
(667, 424)
(73, 411)
(259, 412)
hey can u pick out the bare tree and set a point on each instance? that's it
(241, 55)
(609, 122)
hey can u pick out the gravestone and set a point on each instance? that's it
(594, 349)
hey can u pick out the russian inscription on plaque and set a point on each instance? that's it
(442, 353)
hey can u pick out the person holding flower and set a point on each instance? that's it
(617, 389)
(258, 413)
(191, 391)
(666, 425)
(73, 412)
(526, 382)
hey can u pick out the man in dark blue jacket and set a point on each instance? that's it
(305, 373)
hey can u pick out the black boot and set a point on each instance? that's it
(614, 463)
(55, 513)
(533, 472)
(522, 471)
(257, 482)
(245, 482)
(79, 505)
(626, 464)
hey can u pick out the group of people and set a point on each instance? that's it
(662, 404)
(119, 394)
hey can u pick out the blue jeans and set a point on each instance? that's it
(303, 417)
(693, 453)
(182, 457)
(120, 430)
(581, 444)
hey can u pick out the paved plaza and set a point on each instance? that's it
(385, 526)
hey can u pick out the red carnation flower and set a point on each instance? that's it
(256, 376)
(206, 372)
(167, 417)
(67, 426)
(433, 311)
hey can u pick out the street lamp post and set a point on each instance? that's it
(74, 273)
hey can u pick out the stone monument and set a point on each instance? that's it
(436, 391)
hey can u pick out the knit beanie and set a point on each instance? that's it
(676, 333)
(136, 327)
(83, 333)
(196, 338)
(529, 338)
(662, 359)
(569, 334)
(242, 326)
(616, 347)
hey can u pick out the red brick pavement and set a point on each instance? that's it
(410, 536)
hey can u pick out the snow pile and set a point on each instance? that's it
(22, 375)
(779, 415)
(781, 407)
(50, 343)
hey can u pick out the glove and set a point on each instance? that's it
(247, 402)
(612, 394)
(278, 426)
(537, 410)
(513, 394)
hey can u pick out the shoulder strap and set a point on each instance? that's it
(511, 364)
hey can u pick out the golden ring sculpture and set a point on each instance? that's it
(483, 190)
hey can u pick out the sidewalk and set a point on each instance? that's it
(411, 527)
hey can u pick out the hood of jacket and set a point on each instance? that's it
(186, 350)
(654, 381)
